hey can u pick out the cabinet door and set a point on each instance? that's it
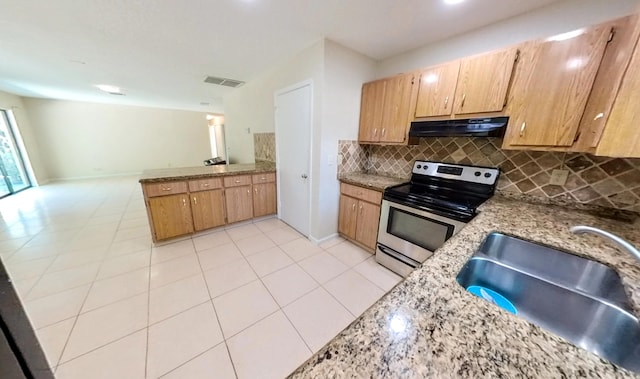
(621, 136)
(551, 86)
(347, 217)
(264, 199)
(367, 225)
(239, 203)
(436, 89)
(371, 111)
(208, 209)
(171, 216)
(483, 82)
(396, 109)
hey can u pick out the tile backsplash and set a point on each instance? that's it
(601, 181)
(264, 146)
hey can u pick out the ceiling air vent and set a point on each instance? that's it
(223, 81)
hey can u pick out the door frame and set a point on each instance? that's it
(282, 91)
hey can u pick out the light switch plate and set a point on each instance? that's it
(559, 177)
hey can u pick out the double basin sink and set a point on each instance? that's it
(576, 298)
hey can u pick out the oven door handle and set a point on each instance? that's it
(397, 256)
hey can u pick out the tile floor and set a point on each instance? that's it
(247, 301)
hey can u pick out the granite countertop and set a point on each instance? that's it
(452, 333)
(186, 173)
(375, 182)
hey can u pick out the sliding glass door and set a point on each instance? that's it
(13, 176)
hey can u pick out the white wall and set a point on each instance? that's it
(15, 104)
(543, 22)
(79, 140)
(251, 106)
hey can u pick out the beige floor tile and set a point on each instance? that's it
(229, 277)
(75, 259)
(331, 242)
(179, 339)
(243, 306)
(117, 288)
(283, 235)
(208, 241)
(124, 263)
(269, 349)
(349, 253)
(130, 246)
(288, 284)
(172, 251)
(53, 338)
(132, 233)
(63, 280)
(107, 324)
(269, 224)
(254, 244)
(101, 220)
(243, 231)
(175, 269)
(124, 358)
(378, 274)
(28, 269)
(318, 317)
(212, 363)
(134, 222)
(268, 261)
(23, 286)
(219, 256)
(176, 297)
(10, 246)
(32, 253)
(50, 309)
(354, 291)
(300, 248)
(323, 267)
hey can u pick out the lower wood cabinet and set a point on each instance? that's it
(170, 216)
(239, 203)
(359, 215)
(208, 209)
(264, 199)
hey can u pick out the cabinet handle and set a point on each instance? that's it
(255, 190)
(446, 101)
(249, 191)
(361, 208)
(353, 206)
(237, 180)
(263, 178)
(384, 131)
(205, 185)
(195, 200)
(464, 97)
(522, 128)
(166, 188)
(184, 202)
(375, 131)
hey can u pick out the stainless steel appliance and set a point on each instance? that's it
(471, 127)
(419, 216)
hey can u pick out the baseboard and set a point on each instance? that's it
(317, 241)
(93, 177)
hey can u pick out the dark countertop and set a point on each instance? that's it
(187, 173)
(452, 333)
(375, 182)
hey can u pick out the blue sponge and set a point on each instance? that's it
(493, 297)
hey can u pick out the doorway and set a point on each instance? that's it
(293, 114)
(13, 176)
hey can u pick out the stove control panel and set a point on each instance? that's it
(474, 174)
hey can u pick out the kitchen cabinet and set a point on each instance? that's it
(207, 203)
(359, 215)
(552, 83)
(478, 84)
(238, 198)
(170, 216)
(387, 110)
(264, 194)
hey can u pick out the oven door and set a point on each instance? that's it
(412, 232)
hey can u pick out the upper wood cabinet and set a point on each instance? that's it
(477, 84)
(386, 110)
(552, 84)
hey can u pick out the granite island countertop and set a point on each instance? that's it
(187, 173)
(375, 182)
(428, 326)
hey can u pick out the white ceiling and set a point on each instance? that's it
(159, 51)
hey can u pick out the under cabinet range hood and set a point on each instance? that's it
(471, 127)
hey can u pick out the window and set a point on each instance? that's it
(13, 176)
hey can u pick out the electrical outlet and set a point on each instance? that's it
(559, 177)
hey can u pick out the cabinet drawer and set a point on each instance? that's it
(234, 181)
(205, 184)
(166, 188)
(264, 178)
(365, 194)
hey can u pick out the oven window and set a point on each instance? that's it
(422, 231)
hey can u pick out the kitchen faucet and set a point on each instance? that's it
(579, 229)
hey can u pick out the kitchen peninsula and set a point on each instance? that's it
(181, 201)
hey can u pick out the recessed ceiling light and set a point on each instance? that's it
(453, 1)
(109, 89)
(204, 103)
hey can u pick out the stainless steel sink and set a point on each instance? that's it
(578, 299)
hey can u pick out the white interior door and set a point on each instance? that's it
(293, 134)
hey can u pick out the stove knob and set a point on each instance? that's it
(418, 167)
(487, 174)
(425, 167)
(477, 173)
